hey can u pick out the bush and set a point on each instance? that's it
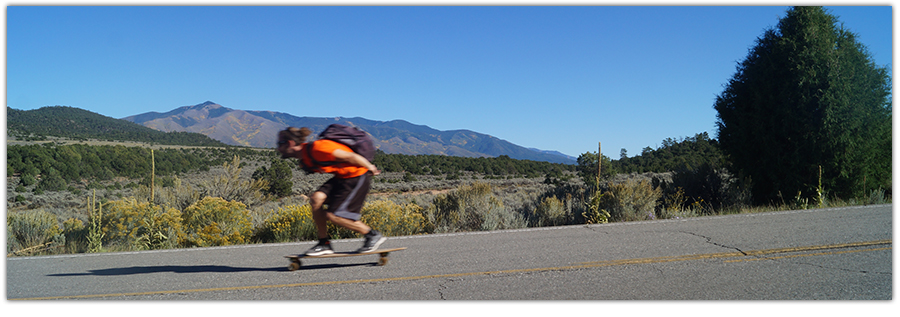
(27, 180)
(278, 176)
(471, 208)
(178, 196)
(140, 226)
(232, 186)
(213, 221)
(675, 206)
(630, 200)
(392, 219)
(877, 197)
(52, 182)
(76, 235)
(289, 223)
(32, 231)
(551, 212)
(572, 199)
(709, 185)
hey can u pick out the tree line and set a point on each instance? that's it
(450, 165)
(75, 162)
(686, 153)
(79, 124)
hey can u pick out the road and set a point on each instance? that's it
(828, 254)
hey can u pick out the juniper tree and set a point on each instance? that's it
(808, 95)
(278, 176)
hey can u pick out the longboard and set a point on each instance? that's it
(382, 257)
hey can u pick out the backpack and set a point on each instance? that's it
(354, 138)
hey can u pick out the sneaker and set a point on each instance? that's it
(373, 240)
(320, 249)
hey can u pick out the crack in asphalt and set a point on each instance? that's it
(709, 240)
(442, 287)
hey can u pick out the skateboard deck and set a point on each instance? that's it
(296, 262)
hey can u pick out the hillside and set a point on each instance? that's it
(258, 129)
(75, 123)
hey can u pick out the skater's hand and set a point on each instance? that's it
(355, 159)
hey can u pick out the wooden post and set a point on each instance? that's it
(152, 175)
(599, 162)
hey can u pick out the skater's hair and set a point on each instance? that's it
(298, 135)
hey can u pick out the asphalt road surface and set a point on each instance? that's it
(824, 254)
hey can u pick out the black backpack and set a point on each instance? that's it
(357, 140)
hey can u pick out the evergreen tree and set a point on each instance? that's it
(587, 167)
(278, 175)
(808, 95)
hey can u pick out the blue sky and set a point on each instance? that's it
(553, 78)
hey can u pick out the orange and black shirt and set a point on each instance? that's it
(323, 151)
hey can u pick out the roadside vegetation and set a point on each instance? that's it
(262, 199)
(808, 148)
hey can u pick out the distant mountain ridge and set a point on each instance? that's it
(75, 123)
(259, 128)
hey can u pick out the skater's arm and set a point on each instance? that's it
(355, 159)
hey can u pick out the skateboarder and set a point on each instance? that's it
(344, 193)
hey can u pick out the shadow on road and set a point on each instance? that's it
(173, 268)
(200, 269)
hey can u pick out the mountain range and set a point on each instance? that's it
(259, 128)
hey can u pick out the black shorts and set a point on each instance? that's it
(345, 196)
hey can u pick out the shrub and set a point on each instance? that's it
(392, 219)
(52, 182)
(232, 186)
(32, 231)
(213, 221)
(140, 226)
(630, 200)
(703, 183)
(27, 180)
(278, 176)
(675, 206)
(76, 235)
(471, 208)
(179, 195)
(290, 223)
(575, 200)
(877, 196)
(551, 212)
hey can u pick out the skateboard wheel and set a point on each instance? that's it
(294, 266)
(382, 261)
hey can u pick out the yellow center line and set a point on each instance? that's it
(559, 268)
(735, 254)
(810, 254)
